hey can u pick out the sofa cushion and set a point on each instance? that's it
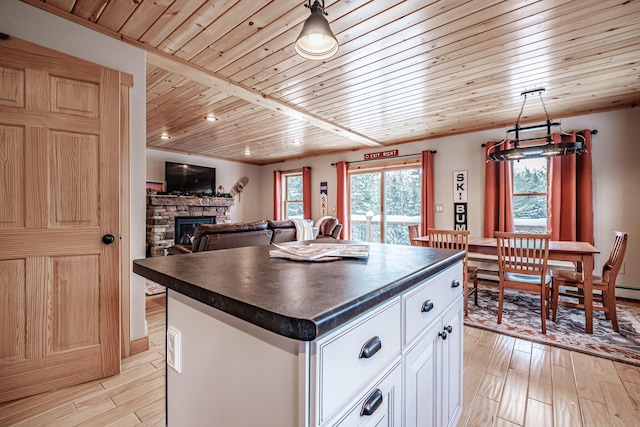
(283, 231)
(232, 227)
(273, 224)
(218, 229)
(215, 241)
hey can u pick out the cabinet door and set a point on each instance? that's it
(451, 369)
(421, 380)
(381, 406)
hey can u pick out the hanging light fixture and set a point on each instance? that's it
(316, 40)
(529, 151)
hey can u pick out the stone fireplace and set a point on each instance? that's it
(162, 212)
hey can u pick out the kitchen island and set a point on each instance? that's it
(265, 341)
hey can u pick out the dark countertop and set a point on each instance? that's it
(299, 300)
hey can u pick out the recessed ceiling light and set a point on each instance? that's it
(247, 152)
(165, 136)
(210, 118)
(297, 142)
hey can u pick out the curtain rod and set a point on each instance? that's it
(296, 169)
(386, 158)
(593, 132)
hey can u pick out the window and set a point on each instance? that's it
(383, 202)
(530, 195)
(292, 206)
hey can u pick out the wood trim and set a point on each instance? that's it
(125, 220)
(139, 345)
(126, 79)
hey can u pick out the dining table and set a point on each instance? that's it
(582, 254)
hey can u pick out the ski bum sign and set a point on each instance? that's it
(460, 200)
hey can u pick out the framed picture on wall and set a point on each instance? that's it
(155, 186)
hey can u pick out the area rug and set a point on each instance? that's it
(521, 319)
(153, 288)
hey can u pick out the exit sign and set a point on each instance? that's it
(381, 155)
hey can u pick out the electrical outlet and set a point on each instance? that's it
(439, 208)
(173, 348)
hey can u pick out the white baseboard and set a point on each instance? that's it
(628, 293)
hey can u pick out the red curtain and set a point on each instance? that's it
(277, 195)
(342, 194)
(428, 210)
(306, 192)
(498, 193)
(570, 193)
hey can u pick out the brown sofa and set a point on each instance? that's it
(210, 237)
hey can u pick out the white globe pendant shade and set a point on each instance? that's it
(316, 40)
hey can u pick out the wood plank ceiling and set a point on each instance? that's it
(405, 71)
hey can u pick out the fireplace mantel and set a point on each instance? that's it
(162, 211)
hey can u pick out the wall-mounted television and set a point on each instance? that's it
(189, 179)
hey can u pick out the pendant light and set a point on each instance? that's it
(316, 40)
(548, 149)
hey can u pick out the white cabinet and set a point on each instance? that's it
(390, 366)
(424, 329)
(433, 362)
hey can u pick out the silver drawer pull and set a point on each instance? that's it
(427, 306)
(370, 348)
(455, 283)
(372, 403)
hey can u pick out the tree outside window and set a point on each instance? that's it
(530, 195)
(292, 190)
(383, 203)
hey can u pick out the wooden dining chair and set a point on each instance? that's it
(606, 284)
(414, 233)
(522, 265)
(459, 240)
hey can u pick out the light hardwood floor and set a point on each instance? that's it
(513, 382)
(507, 382)
(132, 398)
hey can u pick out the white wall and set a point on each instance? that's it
(616, 180)
(36, 26)
(246, 207)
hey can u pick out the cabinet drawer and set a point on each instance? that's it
(344, 366)
(380, 406)
(428, 300)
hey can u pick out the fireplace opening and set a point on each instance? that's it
(185, 227)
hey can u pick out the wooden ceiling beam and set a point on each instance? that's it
(198, 74)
